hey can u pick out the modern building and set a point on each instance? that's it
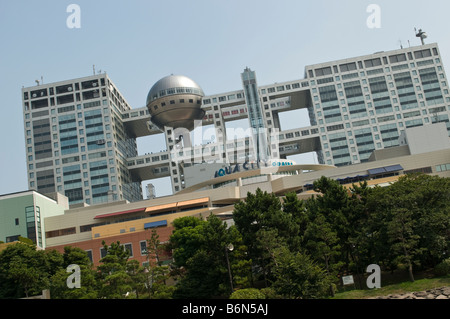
(76, 142)
(215, 189)
(81, 134)
(356, 106)
(22, 214)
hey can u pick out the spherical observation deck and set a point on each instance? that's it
(175, 101)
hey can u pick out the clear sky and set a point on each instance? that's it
(210, 41)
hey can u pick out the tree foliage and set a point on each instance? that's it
(205, 257)
(277, 248)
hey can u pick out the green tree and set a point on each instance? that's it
(26, 276)
(265, 211)
(323, 245)
(410, 219)
(358, 247)
(156, 275)
(297, 276)
(186, 239)
(205, 270)
(432, 199)
(113, 278)
(295, 209)
(328, 231)
(137, 277)
(58, 282)
(24, 271)
(268, 241)
(404, 241)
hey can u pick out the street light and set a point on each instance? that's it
(229, 247)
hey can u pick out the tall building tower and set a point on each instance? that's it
(76, 141)
(363, 104)
(255, 115)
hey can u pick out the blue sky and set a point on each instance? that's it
(139, 42)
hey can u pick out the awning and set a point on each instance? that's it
(193, 201)
(160, 207)
(155, 224)
(376, 171)
(157, 207)
(386, 169)
(119, 213)
(393, 168)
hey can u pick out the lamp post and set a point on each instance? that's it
(229, 247)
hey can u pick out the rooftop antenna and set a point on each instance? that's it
(421, 34)
(93, 68)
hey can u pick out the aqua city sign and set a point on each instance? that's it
(247, 166)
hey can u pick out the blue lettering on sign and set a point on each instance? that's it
(220, 172)
(246, 166)
(281, 163)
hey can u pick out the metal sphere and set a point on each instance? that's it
(175, 101)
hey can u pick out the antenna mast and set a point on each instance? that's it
(421, 34)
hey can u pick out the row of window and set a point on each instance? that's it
(443, 167)
(177, 90)
(373, 62)
(91, 85)
(172, 102)
(63, 89)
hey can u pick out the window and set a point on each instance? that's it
(372, 62)
(422, 54)
(347, 67)
(323, 71)
(425, 170)
(89, 253)
(397, 58)
(443, 168)
(143, 245)
(129, 247)
(60, 232)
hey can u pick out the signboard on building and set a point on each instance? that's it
(251, 166)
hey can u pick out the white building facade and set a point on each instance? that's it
(83, 142)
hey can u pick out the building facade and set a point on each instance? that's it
(356, 106)
(363, 104)
(81, 134)
(76, 143)
(22, 214)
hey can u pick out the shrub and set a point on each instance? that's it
(443, 268)
(248, 293)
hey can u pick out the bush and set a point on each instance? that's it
(269, 293)
(248, 293)
(443, 268)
